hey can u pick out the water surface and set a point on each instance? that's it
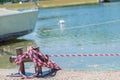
(87, 29)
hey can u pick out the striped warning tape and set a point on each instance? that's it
(70, 55)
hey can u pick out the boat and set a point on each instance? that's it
(16, 23)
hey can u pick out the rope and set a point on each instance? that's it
(35, 56)
(75, 55)
(42, 60)
(19, 62)
(28, 77)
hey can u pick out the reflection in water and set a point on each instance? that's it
(7, 48)
(61, 24)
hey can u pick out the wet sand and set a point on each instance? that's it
(68, 75)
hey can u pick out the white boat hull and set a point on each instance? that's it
(17, 24)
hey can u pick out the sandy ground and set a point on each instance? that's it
(67, 75)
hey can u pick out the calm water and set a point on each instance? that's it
(87, 29)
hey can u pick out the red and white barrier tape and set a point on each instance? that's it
(70, 55)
